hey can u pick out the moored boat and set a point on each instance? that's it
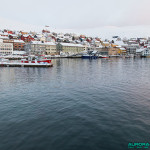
(28, 63)
(90, 55)
(38, 59)
(103, 56)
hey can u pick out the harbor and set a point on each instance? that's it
(75, 75)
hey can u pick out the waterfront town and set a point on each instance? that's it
(21, 43)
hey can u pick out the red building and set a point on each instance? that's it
(27, 38)
(18, 45)
(10, 32)
(45, 31)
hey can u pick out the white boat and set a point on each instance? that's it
(27, 63)
(103, 56)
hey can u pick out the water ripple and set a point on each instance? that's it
(76, 105)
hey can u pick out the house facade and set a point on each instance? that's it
(18, 45)
(69, 48)
(38, 47)
(6, 48)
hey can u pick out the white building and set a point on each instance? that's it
(6, 48)
(144, 52)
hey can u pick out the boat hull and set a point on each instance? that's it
(46, 61)
(103, 56)
(25, 64)
(89, 57)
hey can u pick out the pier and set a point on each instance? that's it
(25, 65)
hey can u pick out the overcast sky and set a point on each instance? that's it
(94, 17)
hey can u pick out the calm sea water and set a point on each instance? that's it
(78, 104)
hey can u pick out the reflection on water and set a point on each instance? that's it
(75, 105)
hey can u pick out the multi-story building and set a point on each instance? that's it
(69, 48)
(144, 52)
(50, 48)
(38, 47)
(103, 50)
(113, 51)
(18, 45)
(6, 48)
(35, 47)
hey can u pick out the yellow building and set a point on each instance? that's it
(119, 49)
(122, 51)
(113, 51)
(50, 48)
(70, 48)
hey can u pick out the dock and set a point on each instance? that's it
(25, 65)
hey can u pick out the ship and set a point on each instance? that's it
(29, 62)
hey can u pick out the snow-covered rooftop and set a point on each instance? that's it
(71, 44)
(49, 43)
(14, 35)
(118, 46)
(19, 41)
(19, 52)
(122, 48)
(4, 37)
(40, 43)
(106, 42)
(120, 43)
(140, 50)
